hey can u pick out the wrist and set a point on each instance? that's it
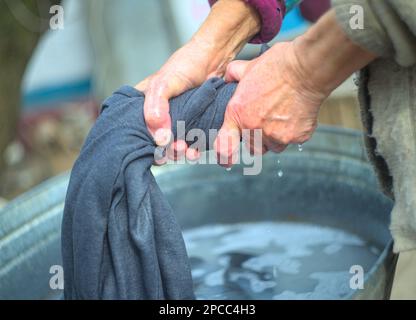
(229, 26)
(326, 57)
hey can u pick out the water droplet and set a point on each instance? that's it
(278, 161)
(280, 173)
(300, 147)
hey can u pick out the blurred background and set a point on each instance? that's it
(53, 79)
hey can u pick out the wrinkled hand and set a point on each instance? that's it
(186, 68)
(228, 27)
(274, 94)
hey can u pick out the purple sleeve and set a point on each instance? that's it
(271, 13)
(313, 10)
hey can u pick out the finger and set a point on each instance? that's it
(236, 70)
(274, 146)
(156, 114)
(160, 158)
(193, 154)
(255, 148)
(142, 85)
(227, 143)
(177, 150)
(277, 148)
(253, 142)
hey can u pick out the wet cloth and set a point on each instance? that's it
(120, 238)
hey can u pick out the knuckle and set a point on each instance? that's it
(268, 132)
(286, 139)
(252, 122)
(157, 83)
(235, 106)
(304, 138)
(229, 69)
(152, 117)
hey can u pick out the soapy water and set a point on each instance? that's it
(270, 260)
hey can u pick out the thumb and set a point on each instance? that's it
(156, 104)
(157, 117)
(156, 108)
(227, 143)
(236, 70)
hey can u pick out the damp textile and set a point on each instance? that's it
(120, 238)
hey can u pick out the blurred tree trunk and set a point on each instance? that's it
(21, 24)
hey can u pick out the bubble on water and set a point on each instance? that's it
(280, 173)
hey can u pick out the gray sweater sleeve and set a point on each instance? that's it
(388, 29)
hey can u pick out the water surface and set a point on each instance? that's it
(270, 260)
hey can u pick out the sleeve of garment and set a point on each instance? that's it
(387, 27)
(312, 10)
(271, 13)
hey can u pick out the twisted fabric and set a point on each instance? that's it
(120, 238)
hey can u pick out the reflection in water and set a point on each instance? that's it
(271, 260)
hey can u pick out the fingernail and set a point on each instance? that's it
(162, 137)
(160, 156)
(192, 154)
(180, 146)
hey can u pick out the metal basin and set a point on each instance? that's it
(329, 185)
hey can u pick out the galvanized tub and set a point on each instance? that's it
(330, 183)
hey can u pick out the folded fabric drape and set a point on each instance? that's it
(120, 238)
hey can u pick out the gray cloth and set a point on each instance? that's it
(388, 102)
(120, 238)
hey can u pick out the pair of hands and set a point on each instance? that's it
(279, 92)
(273, 95)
